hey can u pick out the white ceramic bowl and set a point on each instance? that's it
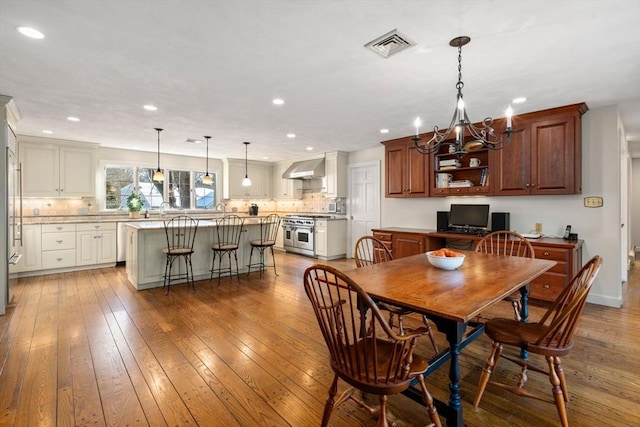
(445, 263)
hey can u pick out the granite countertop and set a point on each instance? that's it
(154, 217)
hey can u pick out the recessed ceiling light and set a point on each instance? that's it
(384, 130)
(278, 101)
(150, 108)
(48, 132)
(73, 119)
(291, 135)
(309, 148)
(30, 32)
(519, 100)
(265, 157)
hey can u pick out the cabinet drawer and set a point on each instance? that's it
(96, 226)
(545, 252)
(59, 259)
(57, 228)
(548, 286)
(57, 241)
(384, 238)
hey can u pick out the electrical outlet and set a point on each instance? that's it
(593, 202)
(538, 227)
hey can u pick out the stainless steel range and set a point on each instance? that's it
(298, 235)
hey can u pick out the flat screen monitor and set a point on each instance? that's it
(476, 216)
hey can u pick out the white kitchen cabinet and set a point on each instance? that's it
(285, 188)
(330, 238)
(58, 246)
(95, 243)
(260, 174)
(31, 248)
(335, 179)
(52, 170)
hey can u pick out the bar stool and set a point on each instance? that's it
(269, 226)
(228, 232)
(181, 235)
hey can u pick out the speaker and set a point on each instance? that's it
(500, 221)
(443, 221)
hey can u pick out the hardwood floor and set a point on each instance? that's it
(84, 348)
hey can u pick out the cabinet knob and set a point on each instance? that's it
(58, 241)
(546, 253)
(58, 228)
(527, 185)
(546, 286)
(58, 259)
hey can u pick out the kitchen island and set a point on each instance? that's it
(146, 262)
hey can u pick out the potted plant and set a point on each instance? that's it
(134, 204)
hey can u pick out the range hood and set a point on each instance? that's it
(306, 169)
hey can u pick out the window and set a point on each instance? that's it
(119, 184)
(179, 189)
(150, 191)
(205, 194)
(183, 189)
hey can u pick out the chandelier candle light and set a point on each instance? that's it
(207, 180)
(246, 182)
(482, 135)
(158, 176)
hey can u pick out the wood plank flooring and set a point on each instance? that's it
(85, 348)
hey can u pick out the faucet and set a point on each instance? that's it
(224, 208)
(162, 205)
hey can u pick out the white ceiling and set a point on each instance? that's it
(213, 68)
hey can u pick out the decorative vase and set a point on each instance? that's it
(134, 214)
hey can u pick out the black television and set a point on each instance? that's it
(468, 216)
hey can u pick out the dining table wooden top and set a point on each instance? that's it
(459, 295)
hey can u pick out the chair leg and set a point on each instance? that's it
(166, 267)
(235, 255)
(273, 257)
(250, 258)
(328, 406)
(213, 264)
(563, 380)
(517, 309)
(488, 369)
(428, 400)
(426, 322)
(193, 280)
(382, 415)
(558, 395)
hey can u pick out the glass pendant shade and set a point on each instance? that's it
(207, 180)
(158, 176)
(246, 182)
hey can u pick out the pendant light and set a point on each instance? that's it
(246, 182)
(158, 176)
(207, 179)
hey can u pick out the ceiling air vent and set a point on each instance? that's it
(389, 44)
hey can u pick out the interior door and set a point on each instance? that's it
(364, 201)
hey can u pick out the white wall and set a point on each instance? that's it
(598, 227)
(634, 217)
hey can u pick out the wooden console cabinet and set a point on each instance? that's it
(405, 242)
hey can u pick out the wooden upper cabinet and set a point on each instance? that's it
(406, 169)
(544, 156)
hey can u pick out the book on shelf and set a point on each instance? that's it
(447, 168)
(484, 177)
(449, 162)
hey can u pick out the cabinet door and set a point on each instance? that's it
(321, 240)
(417, 176)
(394, 170)
(553, 156)
(31, 248)
(407, 244)
(40, 177)
(86, 248)
(106, 246)
(77, 175)
(510, 166)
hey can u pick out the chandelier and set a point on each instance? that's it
(478, 136)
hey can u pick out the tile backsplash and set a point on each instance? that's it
(310, 202)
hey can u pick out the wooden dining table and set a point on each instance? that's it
(452, 299)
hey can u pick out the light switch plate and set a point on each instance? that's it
(593, 202)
